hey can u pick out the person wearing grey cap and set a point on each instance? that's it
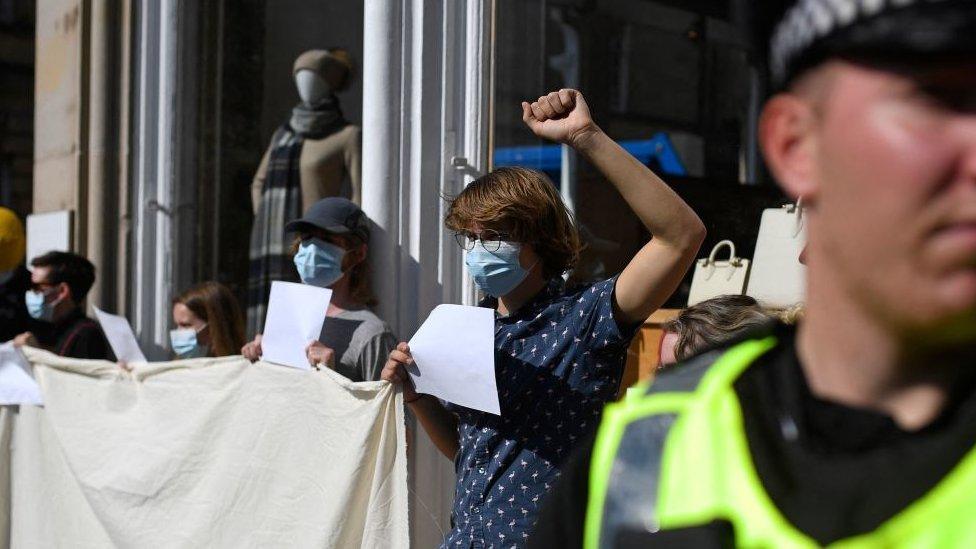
(858, 427)
(330, 250)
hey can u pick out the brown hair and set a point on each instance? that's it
(527, 206)
(360, 276)
(214, 303)
(713, 321)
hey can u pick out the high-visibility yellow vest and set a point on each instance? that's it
(675, 455)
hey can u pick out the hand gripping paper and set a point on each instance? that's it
(454, 355)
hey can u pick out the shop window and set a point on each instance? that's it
(671, 81)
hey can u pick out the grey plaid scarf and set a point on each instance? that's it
(281, 202)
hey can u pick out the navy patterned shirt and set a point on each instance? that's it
(558, 360)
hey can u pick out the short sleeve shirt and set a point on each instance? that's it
(558, 360)
(361, 341)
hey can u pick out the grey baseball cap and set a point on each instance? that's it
(335, 215)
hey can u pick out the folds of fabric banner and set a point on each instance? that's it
(202, 453)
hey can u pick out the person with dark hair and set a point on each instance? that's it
(857, 427)
(331, 250)
(209, 322)
(14, 277)
(707, 324)
(60, 281)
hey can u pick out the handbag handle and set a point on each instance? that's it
(733, 260)
(798, 210)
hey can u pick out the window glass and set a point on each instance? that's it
(670, 81)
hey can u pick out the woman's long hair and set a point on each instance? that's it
(216, 305)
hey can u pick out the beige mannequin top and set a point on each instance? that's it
(323, 165)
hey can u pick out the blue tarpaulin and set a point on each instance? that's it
(548, 158)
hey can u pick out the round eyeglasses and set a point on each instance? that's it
(491, 240)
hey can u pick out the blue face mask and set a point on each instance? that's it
(184, 343)
(319, 263)
(496, 273)
(37, 306)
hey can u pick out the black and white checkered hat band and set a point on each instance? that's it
(812, 20)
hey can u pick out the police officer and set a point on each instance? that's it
(858, 428)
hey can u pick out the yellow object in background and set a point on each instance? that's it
(12, 241)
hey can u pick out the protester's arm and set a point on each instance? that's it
(318, 353)
(25, 339)
(677, 232)
(440, 424)
(252, 349)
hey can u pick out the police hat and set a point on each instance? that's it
(799, 34)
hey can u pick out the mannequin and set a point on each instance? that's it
(310, 157)
(326, 161)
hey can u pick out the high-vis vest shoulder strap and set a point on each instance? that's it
(677, 456)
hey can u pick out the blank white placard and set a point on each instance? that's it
(17, 385)
(120, 337)
(454, 352)
(296, 313)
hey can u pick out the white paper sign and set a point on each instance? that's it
(296, 313)
(46, 232)
(120, 337)
(454, 352)
(17, 385)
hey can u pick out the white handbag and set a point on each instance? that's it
(778, 278)
(713, 277)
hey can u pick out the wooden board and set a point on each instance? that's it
(642, 356)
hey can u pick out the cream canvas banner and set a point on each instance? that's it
(202, 453)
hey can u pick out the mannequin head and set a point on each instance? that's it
(321, 73)
(312, 88)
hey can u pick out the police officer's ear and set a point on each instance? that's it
(787, 134)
